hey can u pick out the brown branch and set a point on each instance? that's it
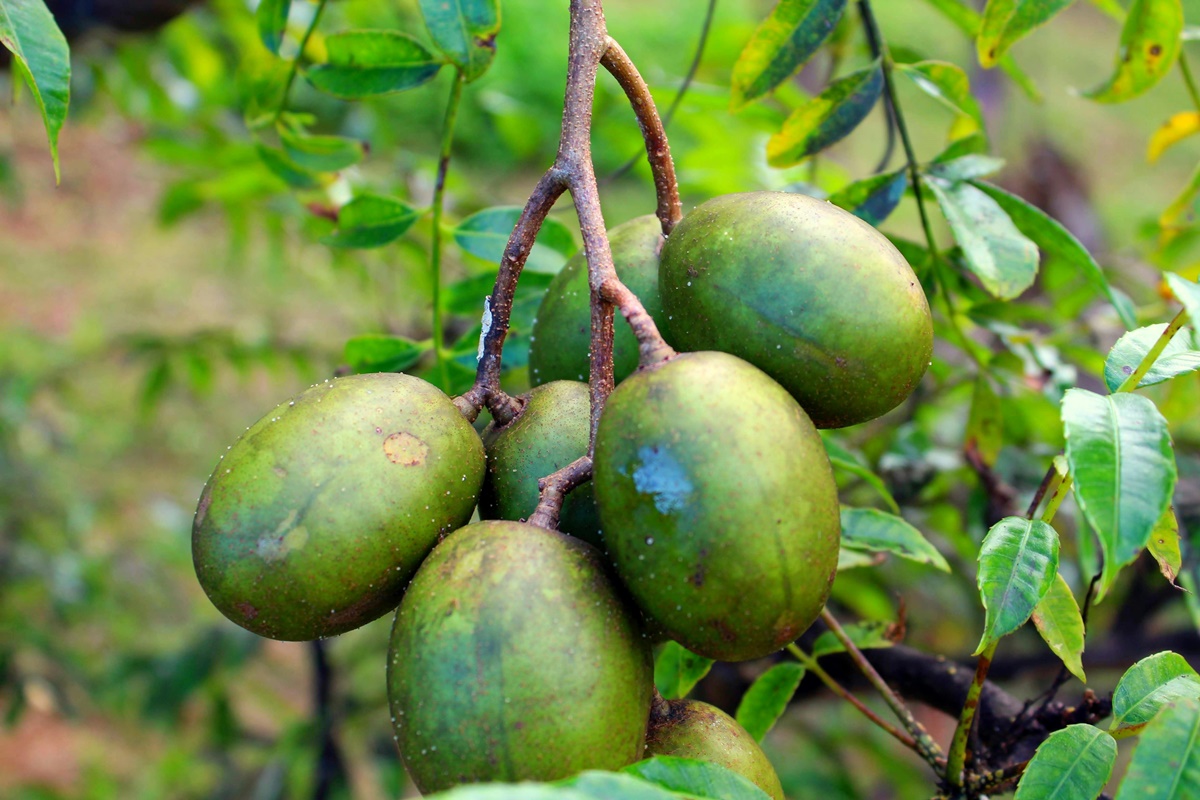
(555, 488)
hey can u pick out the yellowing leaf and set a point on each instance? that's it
(1176, 129)
(1164, 545)
(1060, 624)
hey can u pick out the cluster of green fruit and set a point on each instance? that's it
(712, 517)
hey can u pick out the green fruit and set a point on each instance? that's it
(691, 729)
(513, 658)
(562, 333)
(552, 430)
(809, 293)
(316, 518)
(718, 504)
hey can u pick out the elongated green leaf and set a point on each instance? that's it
(767, 698)
(1164, 545)
(465, 30)
(969, 22)
(1187, 293)
(321, 153)
(1149, 45)
(1146, 687)
(1120, 456)
(985, 424)
(873, 199)
(608, 785)
(1007, 21)
(677, 670)
(964, 168)
(1072, 764)
(289, 171)
(1166, 762)
(1018, 562)
(1058, 243)
(949, 85)
(1179, 357)
(1003, 258)
(843, 459)
(781, 45)
(381, 353)
(1060, 624)
(367, 63)
(697, 778)
(827, 118)
(869, 634)
(854, 559)
(485, 235)
(879, 531)
(272, 18)
(41, 56)
(371, 220)
(1180, 214)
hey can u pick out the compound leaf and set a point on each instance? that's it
(767, 698)
(879, 531)
(827, 118)
(1146, 687)
(368, 63)
(1060, 625)
(1072, 764)
(782, 44)
(41, 56)
(1007, 21)
(1150, 42)
(1166, 762)
(1179, 357)
(1018, 562)
(465, 30)
(677, 670)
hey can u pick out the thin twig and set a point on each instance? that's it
(295, 68)
(554, 489)
(439, 203)
(966, 720)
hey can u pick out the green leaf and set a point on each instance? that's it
(321, 153)
(272, 17)
(970, 22)
(1166, 762)
(41, 56)
(781, 45)
(948, 84)
(1187, 293)
(1018, 562)
(287, 170)
(1007, 21)
(465, 30)
(1149, 45)
(853, 559)
(767, 698)
(827, 118)
(967, 167)
(1003, 259)
(869, 634)
(510, 791)
(677, 670)
(1146, 687)
(371, 220)
(873, 199)
(1179, 357)
(609, 785)
(1060, 624)
(985, 424)
(1120, 456)
(1072, 764)
(1164, 545)
(697, 778)
(381, 353)
(1058, 244)
(485, 235)
(367, 63)
(851, 462)
(878, 531)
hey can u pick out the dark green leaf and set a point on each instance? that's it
(485, 235)
(1060, 624)
(827, 118)
(781, 45)
(284, 168)
(948, 84)
(697, 778)
(272, 17)
(321, 153)
(1166, 762)
(878, 531)
(969, 22)
(371, 220)
(1124, 470)
(366, 63)
(1018, 562)
(867, 635)
(381, 353)
(41, 56)
(873, 199)
(1003, 259)
(965, 167)
(1149, 45)
(465, 30)
(1072, 764)
(851, 462)
(1179, 357)
(1146, 687)
(1007, 21)
(677, 670)
(767, 698)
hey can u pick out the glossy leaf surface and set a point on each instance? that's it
(1146, 687)
(781, 45)
(767, 698)
(827, 118)
(465, 30)
(368, 63)
(41, 55)
(1166, 762)
(1072, 764)
(1018, 563)
(879, 531)
(371, 220)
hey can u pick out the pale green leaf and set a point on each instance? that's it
(371, 220)
(41, 56)
(599, 785)
(701, 779)
(1164, 545)
(383, 353)
(854, 559)
(485, 235)
(827, 118)
(1007, 21)
(1018, 562)
(767, 698)
(1060, 625)
(948, 84)
(1072, 764)
(368, 63)
(321, 153)
(1150, 42)
(869, 634)
(965, 168)
(1187, 293)
(879, 531)
(781, 45)
(1146, 687)
(1166, 762)
(465, 30)
(677, 670)
(1179, 357)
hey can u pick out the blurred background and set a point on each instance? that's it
(173, 289)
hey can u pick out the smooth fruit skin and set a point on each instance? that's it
(562, 333)
(513, 658)
(316, 518)
(809, 293)
(552, 430)
(718, 504)
(692, 729)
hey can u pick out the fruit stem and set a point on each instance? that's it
(295, 68)
(958, 746)
(658, 150)
(554, 489)
(439, 202)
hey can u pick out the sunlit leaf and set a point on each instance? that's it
(677, 670)
(1164, 545)
(969, 22)
(697, 778)
(1146, 687)
(367, 63)
(465, 30)
(382, 353)
(1121, 460)
(948, 84)
(40, 56)
(1179, 357)
(485, 235)
(1018, 562)
(873, 199)
(599, 785)
(1187, 293)
(1007, 21)
(1149, 45)
(371, 220)
(827, 118)
(872, 634)
(965, 168)
(781, 45)
(879, 531)
(1179, 127)
(1060, 625)
(272, 18)
(1072, 764)
(1166, 762)
(767, 698)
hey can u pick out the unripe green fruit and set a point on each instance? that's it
(718, 504)
(809, 293)
(691, 729)
(314, 521)
(513, 658)
(552, 430)
(562, 334)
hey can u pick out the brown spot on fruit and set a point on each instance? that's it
(405, 449)
(248, 611)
